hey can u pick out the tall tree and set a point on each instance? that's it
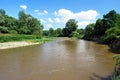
(51, 32)
(58, 32)
(89, 31)
(71, 26)
(2, 12)
(99, 28)
(29, 24)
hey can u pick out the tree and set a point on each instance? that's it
(111, 35)
(51, 32)
(58, 32)
(45, 33)
(70, 27)
(28, 24)
(2, 12)
(99, 28)
(110, 19)
(66, 32)
(7, 23)
(89, 31)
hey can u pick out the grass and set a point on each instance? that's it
(22, 37)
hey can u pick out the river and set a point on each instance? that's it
(61, 59)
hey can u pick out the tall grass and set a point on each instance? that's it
(20, 37)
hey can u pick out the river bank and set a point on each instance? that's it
(7, 45)
(17, 40)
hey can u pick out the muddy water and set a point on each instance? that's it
(62, 59)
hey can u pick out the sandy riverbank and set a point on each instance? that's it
(7, 45)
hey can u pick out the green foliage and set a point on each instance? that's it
(3, 29)
(99, 29)
(116, 75)
(70, 27)
(45, 33)
(58, 32)
(17, 37)
(79, 34)
(111, 35)
(89, 31)
(51, 32)
(2, 12)
(66, 32)
(75, 34)
(26, 24)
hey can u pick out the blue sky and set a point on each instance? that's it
(55, 13)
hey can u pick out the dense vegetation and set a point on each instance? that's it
(23, 37)
(116, 75)
(25, 28)
(106, 30)
(26, 24)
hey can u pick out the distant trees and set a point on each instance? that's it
(70, 27)
(2, 12)
(89, 31)
(58, 32)
(26, 24)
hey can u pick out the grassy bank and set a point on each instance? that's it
(21, 37)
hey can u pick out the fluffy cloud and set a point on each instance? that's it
(49, 25)
(50, 20)
(41, 13)
(24, 7)
(83, 17)
(83, 24)
(42, 21)
(45, 11)
(61, 16)
(36, 10)
(57, 20)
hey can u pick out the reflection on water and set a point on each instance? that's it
(62, 59)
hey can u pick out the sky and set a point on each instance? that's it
(55, 13)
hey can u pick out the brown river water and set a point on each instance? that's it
(61, 59)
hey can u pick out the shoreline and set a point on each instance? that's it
(7, 45)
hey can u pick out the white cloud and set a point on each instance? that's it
(41, 13)
(57, 20)
(36, 10)
(42, 21)
(49, 25)
(50, 20)
(83, 24)
(45, 11)
(55, 13)
(83, 17)
(23, 7)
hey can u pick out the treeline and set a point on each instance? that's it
(105, 30)
(25, 24)
(70, 30)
